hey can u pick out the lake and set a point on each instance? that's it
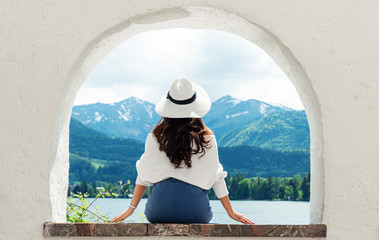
(260, 212)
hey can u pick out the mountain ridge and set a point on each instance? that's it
(135, 118)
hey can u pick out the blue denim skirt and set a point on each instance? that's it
(175, 201)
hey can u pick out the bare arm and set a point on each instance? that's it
(232, 214)
(138, 193)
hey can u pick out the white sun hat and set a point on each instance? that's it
(185, 99)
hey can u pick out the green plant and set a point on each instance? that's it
(78, 205)
(142, 217)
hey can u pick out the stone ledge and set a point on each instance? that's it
(198, 230)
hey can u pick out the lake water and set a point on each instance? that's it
(260, 212)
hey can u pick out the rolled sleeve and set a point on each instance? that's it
(140, 182)
(220, 187)
(141, 168)
(141, 173)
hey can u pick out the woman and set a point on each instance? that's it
(181, 162)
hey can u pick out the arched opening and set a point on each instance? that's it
(189, 17)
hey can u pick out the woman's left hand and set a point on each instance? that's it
(123, 215)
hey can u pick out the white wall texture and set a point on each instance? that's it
(330, 49)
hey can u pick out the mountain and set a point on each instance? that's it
(228, 114)
(89, 143)
(135, 118)
(231, 110)
(95, 156)
(254, 161)
(130, 118)
(282, 131)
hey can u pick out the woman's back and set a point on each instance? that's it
(205, 171)
(180, 138)
(181, 161)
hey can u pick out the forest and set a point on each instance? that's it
(296, 188)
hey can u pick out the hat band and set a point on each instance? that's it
(182, 102)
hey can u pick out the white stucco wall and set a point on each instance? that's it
(328, 48)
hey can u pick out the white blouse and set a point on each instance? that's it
(206, 172)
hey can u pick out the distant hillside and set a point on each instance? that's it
(229, 113)
(254, 161)
(87, 142)
(97, 157)
(131, 118)
(134, 118)
(282, 131)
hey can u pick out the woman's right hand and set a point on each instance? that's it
(137, 195)
(123, 215)
(240, 218)
(233, 214)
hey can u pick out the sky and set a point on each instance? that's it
(146, 64)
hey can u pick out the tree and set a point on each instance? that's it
(288, 190)
(271, 188)
(243, 189)
(83, 187)
(282, 192)
(295, 184)
(305, 187)
(233, 192)
(254, 189)
(91, 191)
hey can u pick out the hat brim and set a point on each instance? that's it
(197, 109)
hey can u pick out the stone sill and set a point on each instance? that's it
(196, 230)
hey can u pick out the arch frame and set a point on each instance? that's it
(193, 17)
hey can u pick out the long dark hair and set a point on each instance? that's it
(176, 136)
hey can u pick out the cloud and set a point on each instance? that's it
(88, 95)
(269, 89)
(146, 64)
(150, 57)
